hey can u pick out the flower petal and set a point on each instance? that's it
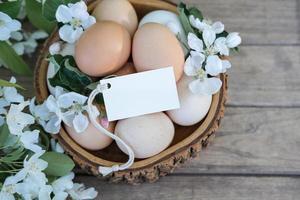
(208, 86)
(213, 65)
(225, 65)
(88, 22)
(209, 37)
(220, 46)
(4, 33)
(195, 43)
(55, 48)
(37, 35)
(63, 14)
(13, 25)
(80, 123)
(19, 48)
(218, 27)
(53, 125)
(189, 69)
(4, 17)
(68, 99)
(197, 59)
(233, 40)
(66, 32)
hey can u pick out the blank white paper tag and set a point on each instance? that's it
(140, 93)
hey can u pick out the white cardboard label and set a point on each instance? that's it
(140, 93)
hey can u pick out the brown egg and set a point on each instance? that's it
(155, 46)
(120, 11)
(91, 138)
(103, 49)
(128, 68)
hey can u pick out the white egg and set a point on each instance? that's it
(167, 18)
(147, 135)
(91, 138)
(193, 107)
(68, 49)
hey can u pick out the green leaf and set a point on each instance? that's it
(11, 8)
(36, 17)
(4, 132)
(4, 83)
(68, 76)
(13, 61)
(50, 7)
(15, 155)
(184, 18)
(58, 164)
(195, 12)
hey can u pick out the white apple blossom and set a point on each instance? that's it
(30, 188)
(33, 168)
(213, 64)
(18, 120)
(27, 42)
(217, 27)
(224, 44)
(67, 107)
(202, 84)
(39, 112)
(55, 146)
(29, 140)
(7, 26)
(78, 192)
(9, 188)
(55, 48)
(75, 104)
(61, 185)
(64, 187)
(75, 19)
(10, 94)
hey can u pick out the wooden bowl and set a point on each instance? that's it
(187, 143)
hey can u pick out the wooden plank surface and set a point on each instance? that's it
(253, 141)
(260, 76)
(259, 22)
(204, 188)
(256, 154)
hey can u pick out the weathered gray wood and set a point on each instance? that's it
(201, 187)
(260, 76)
(265, 76)
(253, 141)
(259, 22)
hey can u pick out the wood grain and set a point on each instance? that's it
(259, 22)
(202, 187)
(263, 76)
(252, 141)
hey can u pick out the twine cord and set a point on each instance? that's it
(93, 117)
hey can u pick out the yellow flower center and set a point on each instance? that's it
(201, 74)
(76, 22)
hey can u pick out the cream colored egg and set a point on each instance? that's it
(91, 138)
(103, 49)
(166, 18)
(147, 135)
(120, 11)
(154, 47)
(68, 49)
(193, 107)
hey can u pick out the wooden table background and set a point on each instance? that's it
(256, 154)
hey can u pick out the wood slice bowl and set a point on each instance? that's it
(187, 143)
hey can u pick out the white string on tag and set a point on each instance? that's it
(92, 115)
